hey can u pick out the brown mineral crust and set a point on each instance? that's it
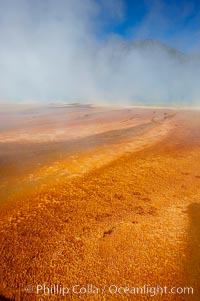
(127, 213)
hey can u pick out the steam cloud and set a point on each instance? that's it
(53, 51)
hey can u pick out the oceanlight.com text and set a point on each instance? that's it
(112, 289)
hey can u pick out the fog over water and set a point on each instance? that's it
(53, 51)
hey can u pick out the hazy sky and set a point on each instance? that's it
(73, 50)
(176, 22)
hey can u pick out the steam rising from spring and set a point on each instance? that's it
(52, 51)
